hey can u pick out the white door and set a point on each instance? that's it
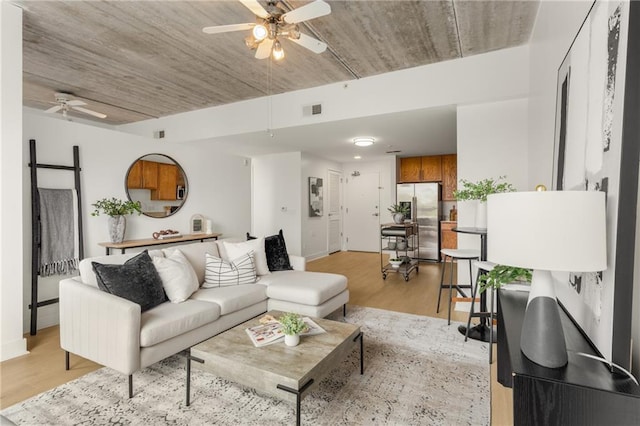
(335, 212)
(362, 217)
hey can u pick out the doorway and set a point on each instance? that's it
(335, 212)
(362, 217)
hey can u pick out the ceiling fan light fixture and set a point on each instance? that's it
(278, 52)
(260, 32)
(364, 141)
(251, 42)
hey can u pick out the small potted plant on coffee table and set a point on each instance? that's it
(292, 326)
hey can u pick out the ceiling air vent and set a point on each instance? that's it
(310, 110)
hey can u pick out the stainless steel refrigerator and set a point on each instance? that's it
(423, 200)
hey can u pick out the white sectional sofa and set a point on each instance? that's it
(113, 331)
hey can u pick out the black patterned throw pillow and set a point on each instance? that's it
(136, 280)
(276, 249)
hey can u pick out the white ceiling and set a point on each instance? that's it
(420, 132)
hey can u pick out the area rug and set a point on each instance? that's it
(418, 371)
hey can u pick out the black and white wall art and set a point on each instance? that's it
(315, 197)
(597, 137)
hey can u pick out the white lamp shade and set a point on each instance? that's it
(548, 230)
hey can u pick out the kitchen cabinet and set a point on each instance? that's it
(420, 169)
(143, 175)
(449, 176)
(448, 238)
(410, 169)
(167, 182)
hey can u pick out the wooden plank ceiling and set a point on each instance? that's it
(135, 60)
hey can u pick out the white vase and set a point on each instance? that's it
(398, 217)
(291, 339)
(117, 227)
(481, 214)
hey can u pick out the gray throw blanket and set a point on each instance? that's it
(58, 231)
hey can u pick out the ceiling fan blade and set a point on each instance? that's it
(227, 28)
(309, 11)
(76, 102)
(54, 108)
(255, 7)
(313, 44)
(264, 49)
(88, 111)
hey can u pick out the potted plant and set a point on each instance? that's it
(480, 191)
(502, 274)
(398, 211)
(116, 210)
(292, 326)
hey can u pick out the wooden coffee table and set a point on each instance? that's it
(277, 370)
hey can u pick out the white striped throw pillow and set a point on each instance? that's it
(219, 273)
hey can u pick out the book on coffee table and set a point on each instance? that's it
(271, 332)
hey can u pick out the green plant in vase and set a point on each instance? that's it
(399, 212)
(292, 325)
(501, 275)
(480, 190)
(116, 209)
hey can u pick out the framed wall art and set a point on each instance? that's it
(316, 203)
(597, 141)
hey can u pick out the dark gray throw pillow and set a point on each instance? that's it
(136, 280)
(276, 249)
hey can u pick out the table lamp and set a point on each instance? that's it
(546, 231)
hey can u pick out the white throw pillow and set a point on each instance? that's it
(219, 273)
(178, 277)
(235, 250)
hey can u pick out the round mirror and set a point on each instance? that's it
(159, 183)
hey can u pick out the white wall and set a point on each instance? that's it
(480, 78)
(492, 142)
(12, 343)
(556, 26)
(277, 198)
(314, 231)
(219, 188)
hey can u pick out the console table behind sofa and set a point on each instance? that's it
(153, 242)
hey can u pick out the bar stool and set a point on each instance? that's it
(453, 255)
(483, 267)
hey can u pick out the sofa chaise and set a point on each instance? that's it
(113, 331)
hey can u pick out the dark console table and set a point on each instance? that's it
(584, 392)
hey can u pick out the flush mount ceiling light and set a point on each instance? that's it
(356, 157)
(368, 141)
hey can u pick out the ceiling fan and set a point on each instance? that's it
(64, 102)
(274, 23)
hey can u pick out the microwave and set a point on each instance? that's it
(180, 192)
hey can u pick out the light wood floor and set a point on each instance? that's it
(43, 367)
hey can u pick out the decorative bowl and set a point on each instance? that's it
(395, 263)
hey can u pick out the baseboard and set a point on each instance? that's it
(13, 349)
(316, 256)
